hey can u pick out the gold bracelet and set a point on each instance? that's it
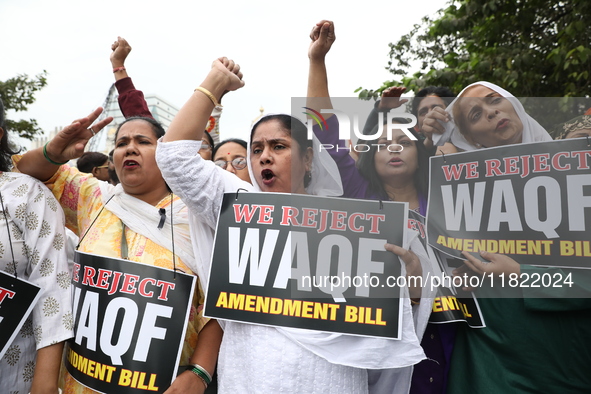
(206, 92)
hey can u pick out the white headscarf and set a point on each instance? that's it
(532, 130)
(326, 179)
(351, 350)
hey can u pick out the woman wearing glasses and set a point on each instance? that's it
(230, 154)
(207, 146)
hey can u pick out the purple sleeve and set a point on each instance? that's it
(422, 205)
(354, 184)
(131, 100)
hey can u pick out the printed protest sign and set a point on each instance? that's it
(459, 307)
(17, 299)
(308, 262)
(130, 322)
(451, 303)
(531, 202)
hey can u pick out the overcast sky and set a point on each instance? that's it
(175, 41)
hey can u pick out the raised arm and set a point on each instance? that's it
(68, 144)
(390, 100)
(322, 37)
(131, 100)
(121, 49)
(198, 182)
(318, 98)
(191, 121)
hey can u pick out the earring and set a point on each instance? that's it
(477, 145)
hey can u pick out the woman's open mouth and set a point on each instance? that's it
(267, 176)
(395, 161)
(130, 164)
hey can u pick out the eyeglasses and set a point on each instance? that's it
(205, 146)
(238, 163)
(107, 166)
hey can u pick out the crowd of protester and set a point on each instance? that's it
(113, 203)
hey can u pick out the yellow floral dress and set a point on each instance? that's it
(80, 197)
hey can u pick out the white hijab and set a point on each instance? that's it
(351, 350)
(325, 177)
(532, 130)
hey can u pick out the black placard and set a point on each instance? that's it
(531, 202)
(276, 256)
(129, 325)
(17, 299)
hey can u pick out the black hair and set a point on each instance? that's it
(89, 160)
(5, 151)
(112, 172)
(156, 126)
(442, 92)
(367, 167)
(209, 139)
(296, 129)
(238, 141)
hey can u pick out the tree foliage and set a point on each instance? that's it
(533, 48)
(17, 94)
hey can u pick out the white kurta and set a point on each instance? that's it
(267, 359)
(36, 225)
(260, 359)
